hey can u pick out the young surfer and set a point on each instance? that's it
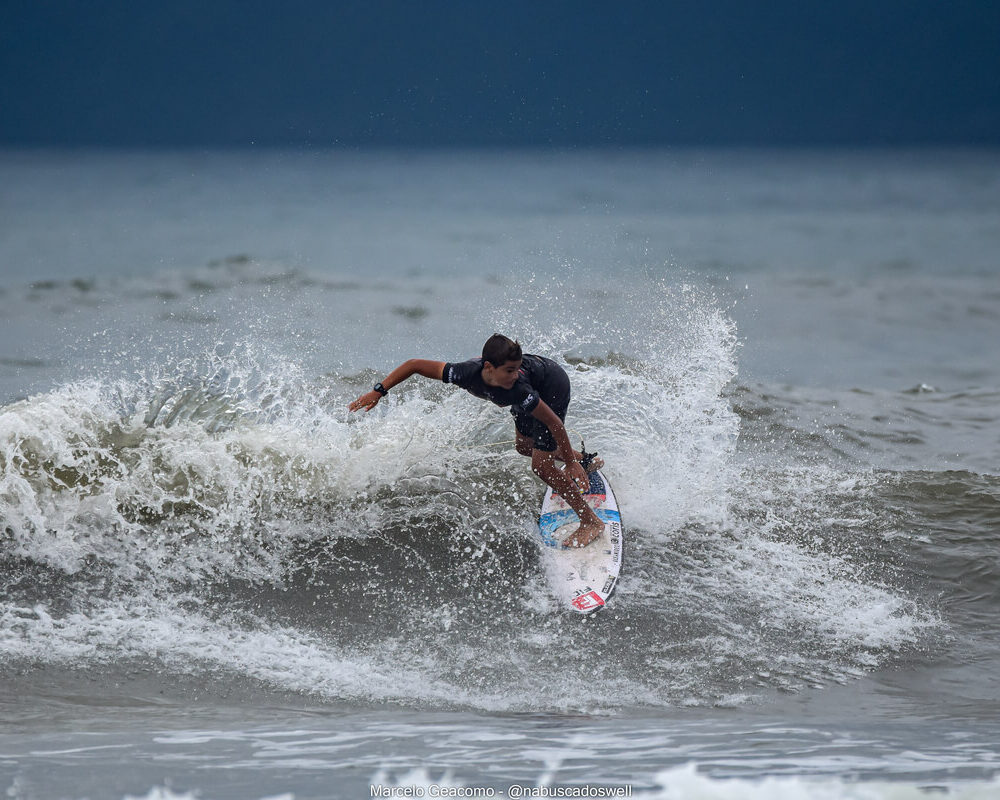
(537, 390)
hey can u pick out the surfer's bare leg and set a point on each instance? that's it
(543, 464)
(525, 445)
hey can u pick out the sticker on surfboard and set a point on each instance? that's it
(582, 578)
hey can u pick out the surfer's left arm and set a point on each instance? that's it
(564, 450)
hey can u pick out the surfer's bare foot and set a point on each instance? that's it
(585, 534)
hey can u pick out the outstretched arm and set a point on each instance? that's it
(415, 366)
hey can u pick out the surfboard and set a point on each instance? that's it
(582, 578)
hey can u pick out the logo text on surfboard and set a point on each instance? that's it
(587, 601)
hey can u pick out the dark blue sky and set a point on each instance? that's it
(471, 73)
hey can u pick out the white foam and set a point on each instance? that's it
(220, 467)
(163, 793)
(686, 782)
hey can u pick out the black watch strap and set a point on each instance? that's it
(381, 389)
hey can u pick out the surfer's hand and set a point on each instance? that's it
(367, 401)
(576, 473)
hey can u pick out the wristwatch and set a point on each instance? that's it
(381, 389)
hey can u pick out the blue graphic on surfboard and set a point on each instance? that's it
(582, 578)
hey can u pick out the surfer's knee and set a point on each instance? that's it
(524, 446)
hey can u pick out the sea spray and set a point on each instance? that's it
(223, 514)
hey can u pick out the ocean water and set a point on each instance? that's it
(218, 583)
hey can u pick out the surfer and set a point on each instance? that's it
(537, 391)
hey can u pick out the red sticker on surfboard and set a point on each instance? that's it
(588, 601)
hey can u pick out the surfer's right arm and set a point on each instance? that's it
(415, 366)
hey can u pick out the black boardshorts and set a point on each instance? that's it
(555, 392)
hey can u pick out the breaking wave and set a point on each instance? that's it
(224, 516)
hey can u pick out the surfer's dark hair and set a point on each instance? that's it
(498, 350)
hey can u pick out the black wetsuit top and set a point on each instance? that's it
(538, 378)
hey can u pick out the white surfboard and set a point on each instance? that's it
(582, 578)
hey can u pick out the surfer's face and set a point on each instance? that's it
(504, 376)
